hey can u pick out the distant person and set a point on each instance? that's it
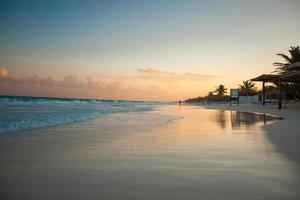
(179, 102)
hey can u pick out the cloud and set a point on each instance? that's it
(146, 84)
(161, 75)
(3, 72)
(35, 79)
(116, 86)
(68, 81)
(94, 83)
(71, 81)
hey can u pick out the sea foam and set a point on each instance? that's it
(23, 113)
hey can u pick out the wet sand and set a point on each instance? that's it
(284, 134)
(172, 153)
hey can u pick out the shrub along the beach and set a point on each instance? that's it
(219, 96)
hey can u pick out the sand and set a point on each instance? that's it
(174, 153)
(284, 134)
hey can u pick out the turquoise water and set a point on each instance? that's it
(19, 113)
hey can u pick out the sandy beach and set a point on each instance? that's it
(284, 134)
(106, 100)
(175, 152)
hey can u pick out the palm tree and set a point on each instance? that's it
(210, 93)
(221, 90)
(247, 88)
(292, 90)
(293, 58)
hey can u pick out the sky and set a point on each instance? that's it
(138, 49)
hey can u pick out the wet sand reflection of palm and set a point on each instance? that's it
(222, 118)
(242, 119)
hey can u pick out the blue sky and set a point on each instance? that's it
(83, 38)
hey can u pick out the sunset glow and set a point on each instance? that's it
(140, 50)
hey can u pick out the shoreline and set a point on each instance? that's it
(284, 134)
(144, 156)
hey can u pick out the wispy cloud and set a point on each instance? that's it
(156, 74)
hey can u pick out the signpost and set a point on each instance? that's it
(234, 94)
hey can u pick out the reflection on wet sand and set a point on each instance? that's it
(241, 119)
(142, 156)
(200, 125)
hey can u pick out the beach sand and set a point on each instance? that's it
(284, 134)
(175, 152)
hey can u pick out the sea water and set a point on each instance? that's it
(19, 113)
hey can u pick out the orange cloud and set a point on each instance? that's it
(3, 72)
(94, 83)
(156, 74)
(147, 84)
(71, 81)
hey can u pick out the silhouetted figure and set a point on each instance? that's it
(179, 103)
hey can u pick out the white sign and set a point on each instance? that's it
(234, 93)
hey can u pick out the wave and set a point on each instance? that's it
(23, 113)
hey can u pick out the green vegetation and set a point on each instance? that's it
(290, 91)
(291, 59)
(247, 88)
(221, 90)
(218, 95)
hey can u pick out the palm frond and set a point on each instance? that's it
(284, 57)
(278, 64)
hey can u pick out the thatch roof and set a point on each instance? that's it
(293, 75)
(267, 78)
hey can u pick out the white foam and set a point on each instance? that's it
(18, 114)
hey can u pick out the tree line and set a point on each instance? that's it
(291, 91)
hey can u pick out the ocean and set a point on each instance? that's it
(19, 113)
